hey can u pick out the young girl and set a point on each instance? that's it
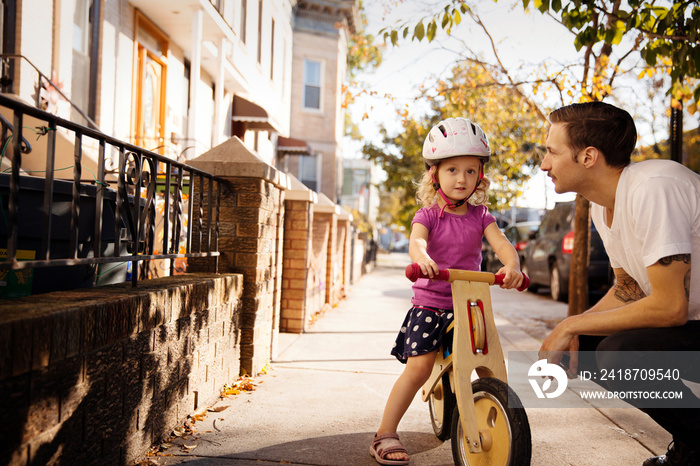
(445, 233)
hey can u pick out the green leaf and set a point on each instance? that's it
(556, 5)
(405, 32)
(664, 22)
(615, 33)
(394, 38)
(600, 34)
(419, 31)
(445, 19)
(649, 53)
(432, 29)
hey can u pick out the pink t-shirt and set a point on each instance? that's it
(454, 242)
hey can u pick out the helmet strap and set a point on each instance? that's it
(448, 201)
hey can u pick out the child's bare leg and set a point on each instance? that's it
(415, 374)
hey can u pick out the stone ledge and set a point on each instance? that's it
(232, 158)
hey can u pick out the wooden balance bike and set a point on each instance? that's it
(484, 416)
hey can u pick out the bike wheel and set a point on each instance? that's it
(441, 403)
(503, 425)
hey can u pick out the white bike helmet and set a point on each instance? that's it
(454, 137)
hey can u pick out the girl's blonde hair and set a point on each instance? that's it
(427, 195)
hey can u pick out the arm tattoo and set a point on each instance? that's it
(685, 258)
(627, 289)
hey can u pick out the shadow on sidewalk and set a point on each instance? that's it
(333, 450)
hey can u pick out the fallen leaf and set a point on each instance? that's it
(217, 409)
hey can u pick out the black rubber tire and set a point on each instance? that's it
(441, 410)
(502, 399)
(557, 289)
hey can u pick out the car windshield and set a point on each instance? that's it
(523, 230)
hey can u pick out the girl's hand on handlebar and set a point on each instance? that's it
(513, 278)
(428, 266)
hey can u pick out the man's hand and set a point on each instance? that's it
(559, 342)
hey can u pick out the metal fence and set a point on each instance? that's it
(132, 207)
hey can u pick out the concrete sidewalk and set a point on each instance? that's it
(324, 396)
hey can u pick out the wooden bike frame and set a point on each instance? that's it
(475, 346)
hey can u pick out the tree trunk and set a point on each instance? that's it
(578, 272)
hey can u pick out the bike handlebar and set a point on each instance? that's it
(413, 273)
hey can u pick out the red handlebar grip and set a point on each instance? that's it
(498, 280)
(413, 273)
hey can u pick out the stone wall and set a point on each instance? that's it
(251, 226)
(96, 376)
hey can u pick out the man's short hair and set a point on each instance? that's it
(609, 129)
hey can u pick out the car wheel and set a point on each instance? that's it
(526, 271)
(556, 288)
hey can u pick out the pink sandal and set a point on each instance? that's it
(384, 444)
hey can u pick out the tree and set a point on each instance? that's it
(666, 36)
(363, 55)
(469, 92)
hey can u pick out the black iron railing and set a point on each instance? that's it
(138, 212)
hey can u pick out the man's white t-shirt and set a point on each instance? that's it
(657, 214)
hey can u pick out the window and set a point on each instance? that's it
(308, 171)
(312, 84)
(151, 69)
(260, 31)
(244, 17)
(283, 74)
(272, 50)
(84, 59)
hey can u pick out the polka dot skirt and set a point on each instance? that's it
(422, 332)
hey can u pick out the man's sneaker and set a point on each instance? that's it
(677, 455)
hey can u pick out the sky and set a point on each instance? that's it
(523, 41)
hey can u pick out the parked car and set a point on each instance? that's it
(547, 257)
(518, 234)
(400, 245)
